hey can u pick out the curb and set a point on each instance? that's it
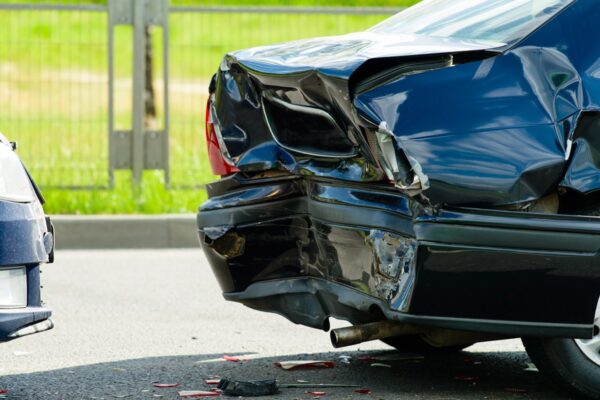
(125, 231)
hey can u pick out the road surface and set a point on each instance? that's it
(126, 319)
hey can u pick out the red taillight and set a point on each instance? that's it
(218, 162)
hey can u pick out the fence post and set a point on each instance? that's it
(142, 147)
(139, 90)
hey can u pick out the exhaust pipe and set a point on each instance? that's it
(436, 337)
(352, 335)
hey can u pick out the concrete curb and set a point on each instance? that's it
(125, 231)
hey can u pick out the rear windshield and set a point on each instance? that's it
(500, 21)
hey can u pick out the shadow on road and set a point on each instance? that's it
(458, 376)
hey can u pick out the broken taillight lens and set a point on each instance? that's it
(220, 162)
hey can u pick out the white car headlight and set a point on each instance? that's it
(13, 287)
(14, 181)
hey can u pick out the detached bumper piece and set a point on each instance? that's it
(310, 249)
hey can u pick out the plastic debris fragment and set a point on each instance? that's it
(292, 365)
(345, 359)
(212, 381)
(531, 368)
(248, 388)
(198, 393)
(363, 391)
(317, 394)
(381, 365)
(166, 385)
(232, 358)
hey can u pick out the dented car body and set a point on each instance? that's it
(436, 171)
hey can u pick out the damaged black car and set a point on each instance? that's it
(435, 181)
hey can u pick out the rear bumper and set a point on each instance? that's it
(310, 249)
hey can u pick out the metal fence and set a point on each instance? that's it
(70, 76)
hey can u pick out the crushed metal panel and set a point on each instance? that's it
(394, 258)
(583, 174)
(489, 134)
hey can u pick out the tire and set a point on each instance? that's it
(573, 364)
(415, 344)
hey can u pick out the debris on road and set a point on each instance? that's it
(293, 365)
(198, 393)
(363, 391)
(531, 368)
(233, 358)
(380, 365)
(248, 388)
(317, 394)
(212, 381)
(345, 359)
(166, 385)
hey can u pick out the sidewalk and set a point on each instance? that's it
(125, 231)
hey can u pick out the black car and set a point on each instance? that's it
(434, 180)
(26, 242)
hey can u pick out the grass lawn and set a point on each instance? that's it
(297, 3)
(54, 94)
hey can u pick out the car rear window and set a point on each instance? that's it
(501, 21)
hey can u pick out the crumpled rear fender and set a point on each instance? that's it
(488, 132)
(507, 129)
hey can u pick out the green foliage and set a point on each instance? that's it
(54, 78)
(150, 198)
(306, 3)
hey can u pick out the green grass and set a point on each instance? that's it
(150, 198)
(53, 94)
(297, 3)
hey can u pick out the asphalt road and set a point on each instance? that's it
(126, 319)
